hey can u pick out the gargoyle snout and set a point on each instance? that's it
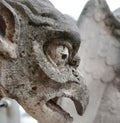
(75, 61)
(78, 93)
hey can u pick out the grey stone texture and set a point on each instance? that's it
(38, 61)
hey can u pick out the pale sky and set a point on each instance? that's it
(74, 7)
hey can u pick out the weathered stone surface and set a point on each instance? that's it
(100, 63)
(40, 63)
(109, 109)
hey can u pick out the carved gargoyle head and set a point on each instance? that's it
(38, 47)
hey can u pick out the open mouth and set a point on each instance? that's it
(52, 104)
(56, 108)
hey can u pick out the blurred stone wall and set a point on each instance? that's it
(100, 63)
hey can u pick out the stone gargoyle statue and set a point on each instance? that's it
(38, 62)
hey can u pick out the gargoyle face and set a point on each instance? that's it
(39, 59)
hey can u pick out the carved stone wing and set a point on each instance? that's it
(99, 52)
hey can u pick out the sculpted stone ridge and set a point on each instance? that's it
(38, 59)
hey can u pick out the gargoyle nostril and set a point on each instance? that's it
(75, 62)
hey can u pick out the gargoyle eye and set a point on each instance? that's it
(62, 54)
(57, 54)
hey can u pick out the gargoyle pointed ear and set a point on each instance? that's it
(7, 31)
